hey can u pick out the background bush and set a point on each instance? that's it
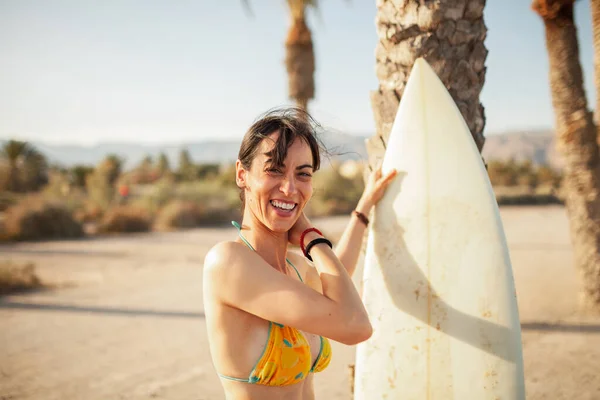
(35, 218)
(178, 214)
(125, 218)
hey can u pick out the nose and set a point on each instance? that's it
(288, 185)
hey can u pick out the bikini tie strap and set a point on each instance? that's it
(239, 228)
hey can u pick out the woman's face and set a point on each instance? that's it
(275, 195)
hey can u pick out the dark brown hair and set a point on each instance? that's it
(291, 123)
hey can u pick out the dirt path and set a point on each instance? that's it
(130, 324)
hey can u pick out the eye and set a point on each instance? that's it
(306, 174)
(274, 170)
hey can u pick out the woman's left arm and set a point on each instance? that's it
(350, 244)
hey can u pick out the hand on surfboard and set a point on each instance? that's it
(375, 189)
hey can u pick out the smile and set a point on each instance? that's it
(281, 205)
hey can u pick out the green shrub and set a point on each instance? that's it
(35, 218)
(17, 277)
(125, 219)
(334, 193)
(89, 212)
(178, 214)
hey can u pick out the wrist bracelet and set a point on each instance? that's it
(362, 217)
(315, 242)
(302, 238)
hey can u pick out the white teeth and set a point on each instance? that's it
(282, 205)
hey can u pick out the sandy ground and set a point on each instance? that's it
(126, 320)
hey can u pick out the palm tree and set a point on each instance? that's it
(299, 55)
(450, 36)
(33, 174)
(14, 152)
(576, 138)
(595, 5)
(27, 167)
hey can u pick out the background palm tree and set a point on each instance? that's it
(299, 53)
(27, 167)
(300, 56)
(14, 151)
(577, 141)
(450, 36)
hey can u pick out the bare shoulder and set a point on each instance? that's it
(221, 252)
(224, 255)
(309, 274)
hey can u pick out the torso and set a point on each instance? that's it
(236, 352)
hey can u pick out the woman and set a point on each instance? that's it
(270, 311)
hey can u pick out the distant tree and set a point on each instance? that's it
(207, 171)
(144, 172)
(186, 170)
(34, 171)
(111, 167)
(27, 167)
(163, 165)
(548, 176)
(502, 173)
(78, 174)
(100, 184)
(13, 151)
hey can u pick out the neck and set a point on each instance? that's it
(271, 246)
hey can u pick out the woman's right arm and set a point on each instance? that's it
(240, 278)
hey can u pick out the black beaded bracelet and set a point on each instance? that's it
(315, 242)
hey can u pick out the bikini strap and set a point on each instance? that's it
(289, 262)
(239, 228)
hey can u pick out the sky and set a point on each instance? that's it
(157, 71)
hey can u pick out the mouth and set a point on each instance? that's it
(284, 207)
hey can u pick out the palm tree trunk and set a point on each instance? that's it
(576, 138)
(450, 36)
(595, 5)
(300, 61)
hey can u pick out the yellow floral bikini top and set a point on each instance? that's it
(286, 358)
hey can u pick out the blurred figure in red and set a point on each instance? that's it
(123, 193)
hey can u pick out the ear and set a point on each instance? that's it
(240, 175)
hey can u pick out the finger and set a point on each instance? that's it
(384, 182)
(389, 176)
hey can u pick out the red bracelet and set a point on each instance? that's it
(304, 234)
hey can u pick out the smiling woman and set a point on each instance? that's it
(270, 311)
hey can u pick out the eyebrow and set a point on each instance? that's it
(270, 160)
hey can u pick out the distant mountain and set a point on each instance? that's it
(340, 147)
(537, 146)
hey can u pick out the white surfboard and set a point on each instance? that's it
(438, 282)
